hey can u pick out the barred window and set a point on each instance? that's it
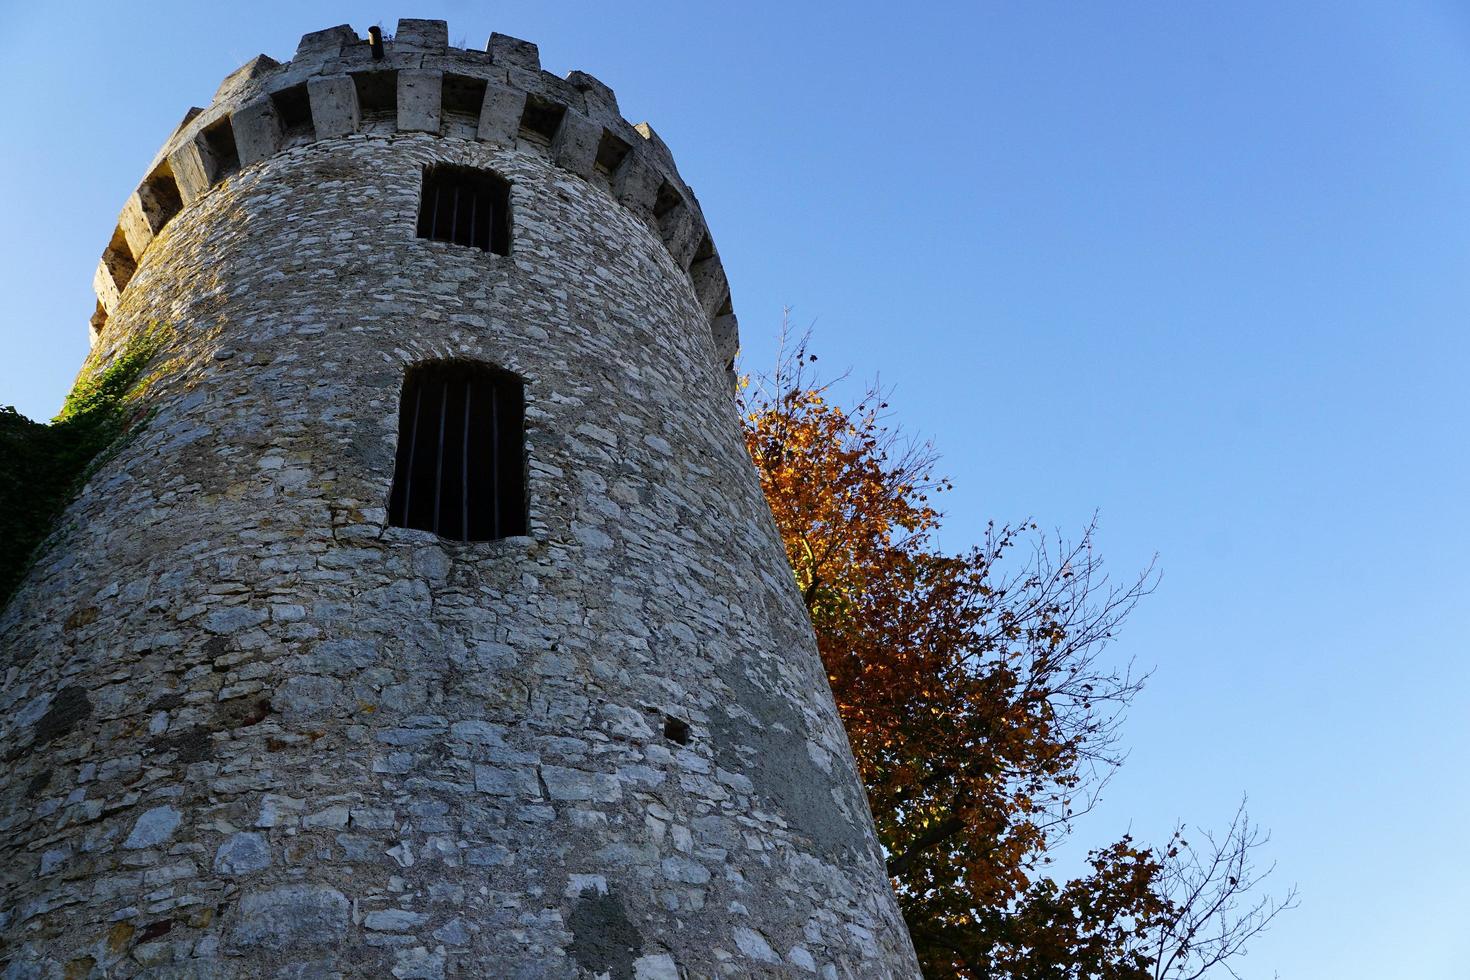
(461, 452)
(466, 207)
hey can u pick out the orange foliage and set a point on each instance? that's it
(977, 709)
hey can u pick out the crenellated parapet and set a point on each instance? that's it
(340, 84)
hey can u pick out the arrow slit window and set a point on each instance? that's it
(460, 470)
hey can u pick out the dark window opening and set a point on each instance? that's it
(461, 460)
(610, 154)
(466, 207)
(293, 105)
(118, 257)
(668, 199)
(541, 119)
(676, 730)
(464, 95)
(219, 139)
(377, 94)
(160, 197)
(705, 251)
(98, 320)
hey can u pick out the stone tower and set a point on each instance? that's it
(256, 728)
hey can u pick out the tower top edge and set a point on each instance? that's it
(589, 131)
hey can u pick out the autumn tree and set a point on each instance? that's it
(983, 717)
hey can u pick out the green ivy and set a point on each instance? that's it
(43, 466)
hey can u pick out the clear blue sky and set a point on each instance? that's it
(1199, 266)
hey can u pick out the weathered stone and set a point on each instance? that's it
(678, 868)
(51, 860)
(324, 45)
(242, 853)
(659, 966)
(710, 284)
(726, 334)
(575, 145)
(500, 113)
(622, 722)
(276, 810)
(304, 697)
(136, 226)
(194, 167)
(334, 110)
(478, 732)
(518, 781)
(154, 827)
(754, 945)
(394, 920)
(429, 36)
(257, 131)
(574, 784)
(802, 957)
(233, 619)
(373, 818)
(419, 100)
(455, 932)
(507, 50)
(331, 817)
(636, 184)
(419, 963)
(289, 917)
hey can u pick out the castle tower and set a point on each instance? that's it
(431, 622)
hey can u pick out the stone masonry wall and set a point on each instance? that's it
(336, 85)
(251, 731)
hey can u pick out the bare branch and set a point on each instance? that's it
(1213, 913)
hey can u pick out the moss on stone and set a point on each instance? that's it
(43, 466)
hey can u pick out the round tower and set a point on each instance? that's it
(430, 622)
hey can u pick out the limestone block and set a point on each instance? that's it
(256, 68)
(420, 93)
(657, 148)
(193, 166)
(681, 233)
(575, 145)
(291, 916)
(242, 853)
(135, 224)
(659, 966)
(424, 36)
(507, 50)
(394, 920)
(500, 115)
(153, 828)
(726, 333)
(574, 784)
(710, 284)
(325, 45)
(106, 285)
(636, 183)
(754, 945)
(600, 100)
(334, 110)
(257, 130)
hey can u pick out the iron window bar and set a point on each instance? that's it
(452, 191)
(478, 492)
